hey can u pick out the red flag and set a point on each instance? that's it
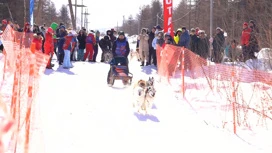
(168, 12)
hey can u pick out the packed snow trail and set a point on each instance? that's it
(80, 113)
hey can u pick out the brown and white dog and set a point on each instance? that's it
(144, 94)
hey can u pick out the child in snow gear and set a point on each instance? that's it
(69, 44)
(49, 46)
(36, 44)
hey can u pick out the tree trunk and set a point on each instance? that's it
(38, 18)
(72, 14)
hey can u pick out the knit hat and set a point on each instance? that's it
(121, 33)
(179, 30)
(62, 26)
(158, 27)
(218, 28)
(245, 24)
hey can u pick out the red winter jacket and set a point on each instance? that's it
(90, 39)
(245, 36)
(49, 42)
(38, 43)
(69, 43)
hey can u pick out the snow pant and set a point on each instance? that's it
(89, 52)
(66, 61)
(43, 49)
(248, 53)
(55, 49)
(95, 52)
(152, 56)
(48, 51)
(218, 56)
(80, 54)
(144, 54)
(72, 58)
(60, 55)
(1, 47)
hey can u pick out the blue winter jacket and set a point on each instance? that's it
(120, 48)
(184, 39)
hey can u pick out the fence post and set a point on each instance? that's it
(233, 99)
(182, 71)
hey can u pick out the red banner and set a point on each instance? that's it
(168, 12)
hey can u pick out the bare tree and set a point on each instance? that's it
(64, 16)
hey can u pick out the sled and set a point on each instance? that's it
(119, 71)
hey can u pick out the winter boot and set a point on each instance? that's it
(147, 63)
(142, 64)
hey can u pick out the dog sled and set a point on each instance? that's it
(119, 71)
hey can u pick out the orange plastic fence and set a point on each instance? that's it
(21, 72)
(227, 96)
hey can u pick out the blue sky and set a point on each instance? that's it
(105, 14)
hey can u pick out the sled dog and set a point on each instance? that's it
(144, 94)
(133, 54)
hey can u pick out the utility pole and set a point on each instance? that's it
(76, 11)
(123, 23)
(86, 18)
(117, 27)
(157, 19)
(211, 25)
(38, 19)
(190, 8)
(72, 14)
(76, 6)
(81, 14)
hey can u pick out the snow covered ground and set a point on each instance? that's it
(80, 113)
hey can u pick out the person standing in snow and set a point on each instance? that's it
(97, 36)
(248, 53)
(152, 52)
(218, 45)
(69, 44)
(49, 46)
(254, 44)
(4, 25)
(158, 40)
(27, 35)
(82, 45)
(193, 40)
(144, 47)
(61, 34)
(184, 39)
(177, 35)
(105, 46)
(202, 45)
(90, 41)
(75, 49)
(36, 44)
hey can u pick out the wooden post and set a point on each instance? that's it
(72, 14)
(182, 71)
(233, 100)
